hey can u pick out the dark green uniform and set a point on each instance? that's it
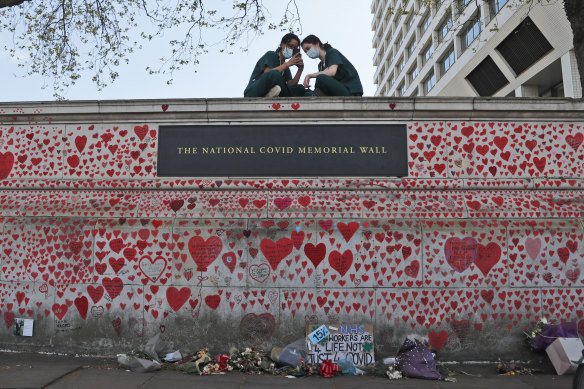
(346, 81)
(261, 82)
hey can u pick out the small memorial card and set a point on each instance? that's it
(340, 341)
(23, 327)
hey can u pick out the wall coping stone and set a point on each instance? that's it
(239, 110)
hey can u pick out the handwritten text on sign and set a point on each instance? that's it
(350, 341)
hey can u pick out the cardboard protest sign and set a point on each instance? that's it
(344, 341)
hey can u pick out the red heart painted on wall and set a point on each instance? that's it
(460, 253)
(176, 298)
(204, 252)
(276, 251)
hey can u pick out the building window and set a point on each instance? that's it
(413, 74)
(400, 66)
(428, 51)
(429, 83)
(390, 82)
(470, 33)
(524, 46)
(487, 78)
(426, 23)
(463, 3)
(496, 5)
(411, 47)
(411, 21)
(444, 28)
(399, 41)
(401, 90)
(447, 61)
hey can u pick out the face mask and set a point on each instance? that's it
(313, 53)
(287, 52)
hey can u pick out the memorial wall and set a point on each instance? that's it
(229, 222)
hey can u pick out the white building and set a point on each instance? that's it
(473, 48)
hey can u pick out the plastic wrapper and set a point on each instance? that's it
(137, 365)
(291, 355)
(415, 360)
(347, 367)
(173, 357)
(155, 347)
(551, 332)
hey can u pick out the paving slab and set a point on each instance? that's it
(92, 378)
(33, 375)
(176, 380)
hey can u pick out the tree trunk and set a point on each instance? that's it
(575, 13)
(11, 3)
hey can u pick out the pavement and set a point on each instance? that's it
(23, 370)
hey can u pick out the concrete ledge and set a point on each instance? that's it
(259, 110)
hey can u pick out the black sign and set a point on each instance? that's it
(283, 150)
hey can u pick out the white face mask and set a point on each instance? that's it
(287, 53)
(313, 52)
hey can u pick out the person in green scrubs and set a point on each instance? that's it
(336, 76)
(271, 75)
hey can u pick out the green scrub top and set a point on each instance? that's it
(346, 72)
(272, 60)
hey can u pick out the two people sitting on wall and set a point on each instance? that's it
(272, 77)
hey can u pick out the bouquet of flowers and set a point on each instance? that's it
(535, 331)
(250, 361)
(544, 333)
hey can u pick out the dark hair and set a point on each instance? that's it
(313, 39)
(285, 39)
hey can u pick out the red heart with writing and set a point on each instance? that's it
(204, 252)
(341, 262)
(347, 230)
(113, 286)
(487, 257)
(276, 251)
(213, 301)
(460, 253)
(6, 163)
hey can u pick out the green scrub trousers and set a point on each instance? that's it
(261, 85)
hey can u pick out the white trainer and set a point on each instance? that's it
(274, 92)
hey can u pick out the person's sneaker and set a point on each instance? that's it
(319, 92)
(274, 92)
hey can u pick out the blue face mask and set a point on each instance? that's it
(313, 52)
(287, 53)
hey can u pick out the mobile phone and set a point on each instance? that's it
(295, 51)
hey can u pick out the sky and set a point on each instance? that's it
(343, 23)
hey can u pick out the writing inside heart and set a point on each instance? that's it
(204, 252)
(259, 273)
(276, 251)
(257, 329)
(152, 268)
(460, 253)
(6, 163)
(341, 262)
(488, 256)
